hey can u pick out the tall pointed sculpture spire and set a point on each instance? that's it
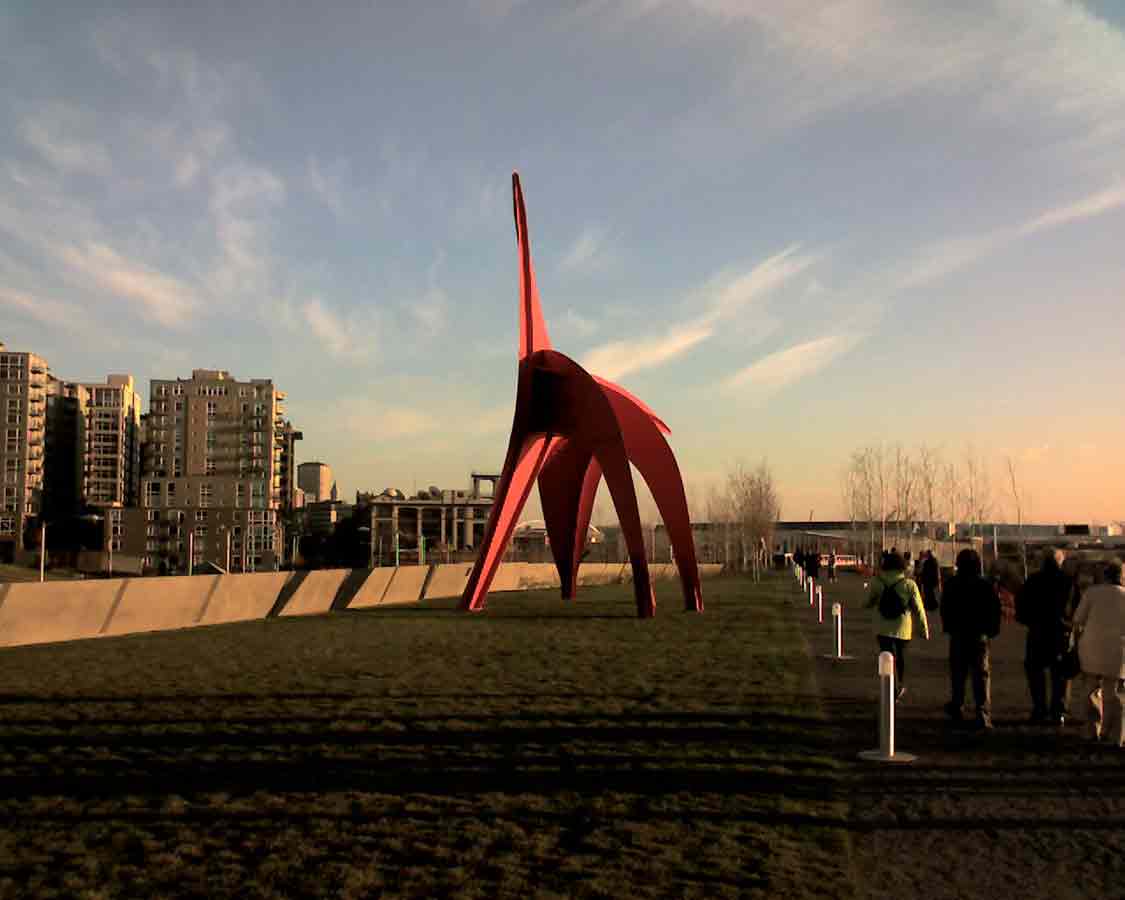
(570, 430)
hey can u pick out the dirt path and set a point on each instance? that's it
(1023, 811)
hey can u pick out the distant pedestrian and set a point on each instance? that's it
(812, 564)
(799, 558)
(907, 565)
(970, 615)
(832, 565)
(929, 579)
(1100, 620)
(898, 604)
(1045, 604)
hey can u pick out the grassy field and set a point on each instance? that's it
(535, 750)
(10, 573)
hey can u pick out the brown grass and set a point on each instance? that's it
(535, 750)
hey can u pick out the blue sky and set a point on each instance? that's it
(792, 229)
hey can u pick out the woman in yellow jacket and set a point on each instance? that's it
(895, 633)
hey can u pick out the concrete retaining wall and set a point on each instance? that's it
(315, 593)
(241, 597)
(406, 585)
(32, 613)
(448, 580)
(373, 588)
(56, 610)
(157, 604)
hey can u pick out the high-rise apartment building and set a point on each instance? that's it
(23, 383)
(213, 478)
(111, 458)
(315, 479)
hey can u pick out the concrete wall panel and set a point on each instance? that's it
(598, 573)
(316, 592)
(539, 576)
(241, 597)
(406, 585)
(56, 610)
(371, 593)
(507, 577)
(710, 570)
(157, 604)
(449, 580)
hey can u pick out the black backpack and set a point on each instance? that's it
(891, 604)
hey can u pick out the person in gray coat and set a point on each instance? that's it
(1100, 621)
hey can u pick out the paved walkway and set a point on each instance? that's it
(1024, 811)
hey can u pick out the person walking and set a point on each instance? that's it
(929, 579)
(832, 565)
(812, 564)
(1100, 621)
(970, 615)
(1045, 604)
(898, 605)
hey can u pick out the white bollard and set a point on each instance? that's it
(886, 751)
(812, 592)
(819, 605)
(838, 620)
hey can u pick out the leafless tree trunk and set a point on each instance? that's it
(1017, 497)
(905, 478)
(929, 471)
(978, 489)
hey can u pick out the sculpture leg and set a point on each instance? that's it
(619, 479)
(511, 495)
(589, 493)
(650, 453)
(560, 491)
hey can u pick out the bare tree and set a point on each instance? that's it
(752, 504)
(951, 493)
(929, 468)
(1017, 498)
(977, 489)
(905, 480)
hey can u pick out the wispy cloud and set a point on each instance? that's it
(326, 184)
(341, 338)
(589, 252)
(578, 324)
(723, 297)
(948, 256)
(52, 313)
(784, 367)
(165, 299)
(619, 358)
(51, 132)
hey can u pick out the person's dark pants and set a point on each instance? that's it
(1040, 657)
(970, 655)
(897, 648)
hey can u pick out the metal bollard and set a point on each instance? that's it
(819, 605)
(838, 620)
(812, 592)
(886, 752)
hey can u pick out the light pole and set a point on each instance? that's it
(42, 552)
(190, 551)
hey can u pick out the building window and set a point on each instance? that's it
(201, 515)
(152, 515)
(206, 492)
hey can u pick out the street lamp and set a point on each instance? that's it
(42, 552)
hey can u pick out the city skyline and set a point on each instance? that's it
(871, 222)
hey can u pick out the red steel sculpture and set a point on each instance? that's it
(570, 430)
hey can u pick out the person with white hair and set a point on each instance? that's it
(1100, 621)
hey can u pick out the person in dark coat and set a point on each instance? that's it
(929, 579)
(1045, 604)
(970, 615)
(812, 564)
